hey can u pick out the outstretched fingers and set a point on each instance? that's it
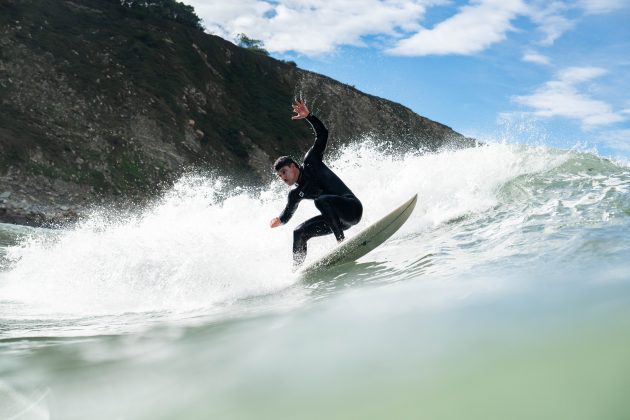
(300, 109)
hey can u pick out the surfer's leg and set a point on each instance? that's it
(327, 206)
(317, 226)
(340, 212)
(350, 211)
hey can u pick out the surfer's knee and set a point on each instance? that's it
(353, 212)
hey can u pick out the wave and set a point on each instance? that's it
(207, 243)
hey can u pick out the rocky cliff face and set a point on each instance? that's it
(99, 102)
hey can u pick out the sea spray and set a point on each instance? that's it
(207, 243)
(194, 248)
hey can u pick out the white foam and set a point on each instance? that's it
(189, 250)
(205, 243)
(449, 184)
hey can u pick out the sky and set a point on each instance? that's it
(551, 72)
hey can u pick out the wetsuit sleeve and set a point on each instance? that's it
(292, 204)
(321, 138)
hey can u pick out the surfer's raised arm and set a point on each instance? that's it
(321, 133)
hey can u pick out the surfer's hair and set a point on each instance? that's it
(283, 161)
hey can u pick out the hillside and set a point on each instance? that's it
(102, 103)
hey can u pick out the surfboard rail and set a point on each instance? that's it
(366, 240)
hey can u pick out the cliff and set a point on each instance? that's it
(102, 102)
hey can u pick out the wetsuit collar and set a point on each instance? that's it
(299, 180)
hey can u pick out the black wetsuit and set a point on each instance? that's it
(338, 206)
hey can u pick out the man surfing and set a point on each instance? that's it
(338, 206)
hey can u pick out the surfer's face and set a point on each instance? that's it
(289, 174)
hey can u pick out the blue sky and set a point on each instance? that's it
(530, 71)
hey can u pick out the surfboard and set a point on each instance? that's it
(365, 241)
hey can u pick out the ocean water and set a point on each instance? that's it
(505, 296)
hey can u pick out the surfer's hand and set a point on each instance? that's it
(300, 109)
(275, 222)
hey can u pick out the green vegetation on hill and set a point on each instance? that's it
(252, 44)
(168, 9)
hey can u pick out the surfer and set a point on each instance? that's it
(338, 206)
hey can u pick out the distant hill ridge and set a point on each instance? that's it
(105, 100)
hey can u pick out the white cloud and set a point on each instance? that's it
(537, 58)
(602, 6)
(561, 98)
(473, 29)
(315, 27)
(575, 75)
(616, 139)
(217, 15)
(550, 19)
(312, 26)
